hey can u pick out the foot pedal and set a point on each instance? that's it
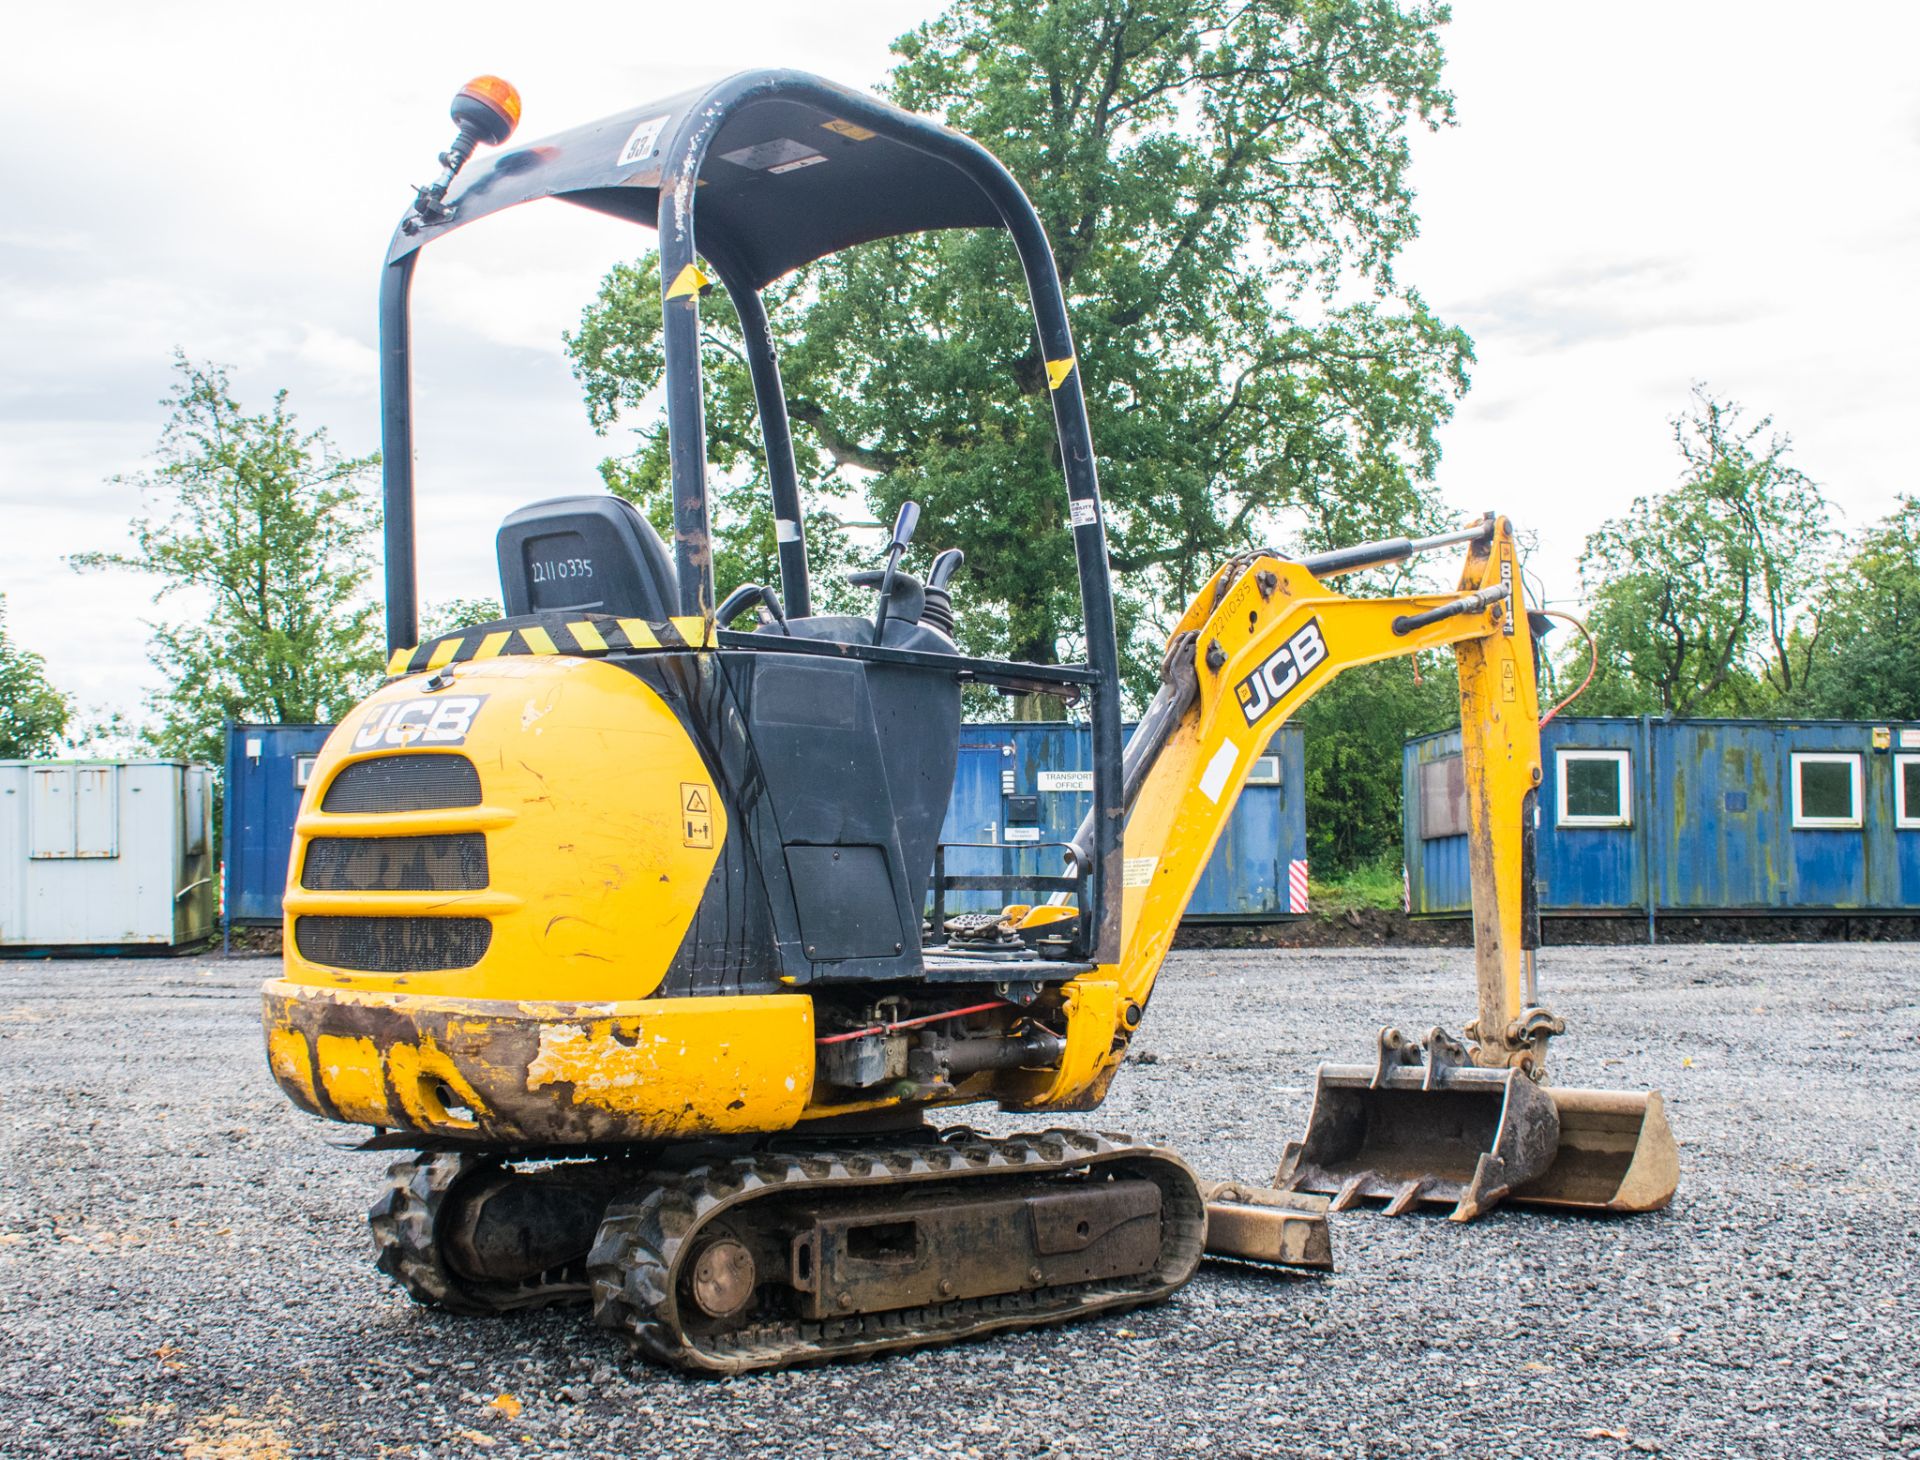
(1272, 1228)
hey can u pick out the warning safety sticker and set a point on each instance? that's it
(782, 154)
(696, 814)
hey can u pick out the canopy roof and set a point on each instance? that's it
(791, 168)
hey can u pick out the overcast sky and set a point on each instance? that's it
(1636, 197)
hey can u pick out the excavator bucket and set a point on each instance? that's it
(1615, 1154)
(1448, 1132)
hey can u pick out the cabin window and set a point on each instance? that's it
(1266, 771)
(1596, 787)
(1906, 792)
(1826, 790)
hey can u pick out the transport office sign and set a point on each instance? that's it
(1304, 652)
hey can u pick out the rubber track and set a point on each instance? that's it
(405, 1223)
(634, 1268)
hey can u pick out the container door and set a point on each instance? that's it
(973, 815)
(96, 811)
(50, 811)
(1245, 877)
(194, 812)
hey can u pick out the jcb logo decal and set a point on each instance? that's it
(431, 720)
(1292, 662)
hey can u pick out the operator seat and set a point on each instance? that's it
(588, 554)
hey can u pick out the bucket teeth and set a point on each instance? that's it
(1422, 1125)
(1405, 1197)
(1441, 1130)
(1349, 1194)
(1488, 1187)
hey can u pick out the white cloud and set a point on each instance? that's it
(1636, 198)
(1650, 195)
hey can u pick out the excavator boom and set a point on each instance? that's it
(1435, 1121)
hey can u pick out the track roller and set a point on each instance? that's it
(771, 1259)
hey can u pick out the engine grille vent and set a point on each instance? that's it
(392, 945)
(455, 862)
(428, 782)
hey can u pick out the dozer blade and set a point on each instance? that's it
(1615, 1154)
(1266, 1228)
(1448, 1132)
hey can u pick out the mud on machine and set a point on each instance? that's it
(611, 915)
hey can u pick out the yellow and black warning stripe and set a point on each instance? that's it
(585, 636)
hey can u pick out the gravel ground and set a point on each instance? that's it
(184, 1268)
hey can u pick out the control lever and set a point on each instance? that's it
(937, 612)
(903, 526)
(743, 598)
(944, 567)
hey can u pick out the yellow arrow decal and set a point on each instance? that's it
(688, 282)
(1058, 371)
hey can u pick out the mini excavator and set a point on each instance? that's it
(612, 916)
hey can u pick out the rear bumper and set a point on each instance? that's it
(542, 1074)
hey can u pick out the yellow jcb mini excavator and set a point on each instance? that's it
(612, 916)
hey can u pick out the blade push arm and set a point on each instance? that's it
(1265, 636)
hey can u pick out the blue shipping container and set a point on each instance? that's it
(1692, 816)
(1023, 787)
(267, 770)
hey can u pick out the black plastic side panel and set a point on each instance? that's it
(848, 905)
(835, 776)
(857, 758)
(743, 936)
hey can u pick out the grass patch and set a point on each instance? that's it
(1374, 885)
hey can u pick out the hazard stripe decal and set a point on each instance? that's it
(587, 638)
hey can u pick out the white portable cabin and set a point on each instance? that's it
(105, 854)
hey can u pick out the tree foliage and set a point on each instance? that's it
(33, 714)
(1355, 728)
(263, 532)
(1864, 661)
(449, 615)
(617, 355)
(1225, 187)
(1700, 595)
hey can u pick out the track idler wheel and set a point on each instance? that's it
(469, 1234)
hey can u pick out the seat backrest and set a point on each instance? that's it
(586, 554)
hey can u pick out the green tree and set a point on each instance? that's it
(618, 357)
(1700, 595)
(1225, 187)
(1354, 730)
(1863, 661)
(33, 714)
(264, 530)
(446, 616)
